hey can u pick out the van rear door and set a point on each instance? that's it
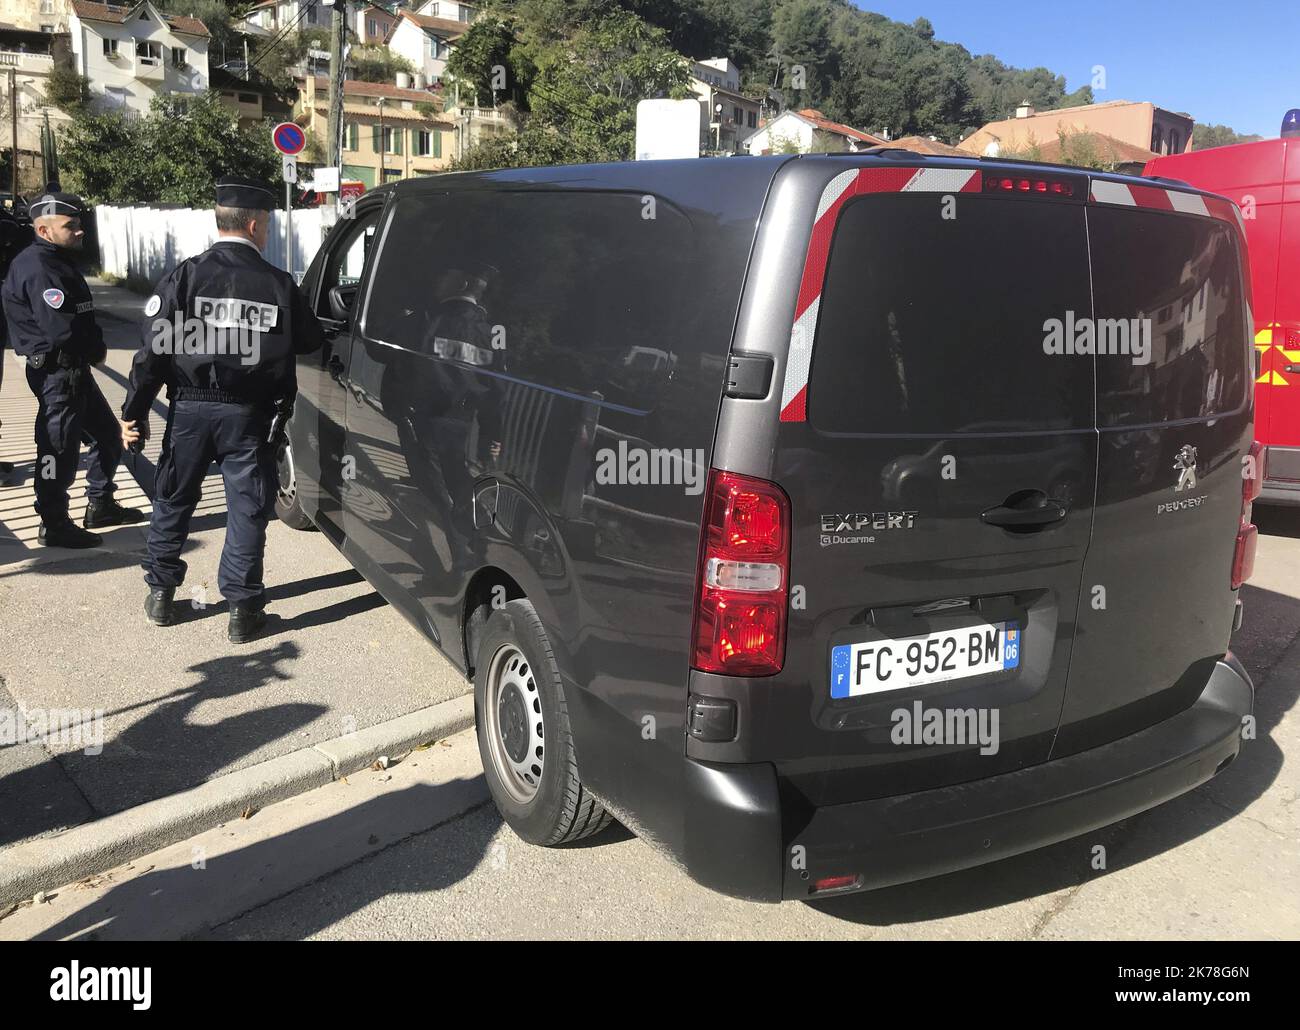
(940, 461)
(1158, 605)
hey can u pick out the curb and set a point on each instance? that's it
(48, 862)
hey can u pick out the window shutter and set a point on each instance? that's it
(398, 133)
(375, 143)
(437, 143)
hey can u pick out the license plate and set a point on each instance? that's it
(896, 664)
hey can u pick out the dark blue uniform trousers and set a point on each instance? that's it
(234, 436)
(71, 410)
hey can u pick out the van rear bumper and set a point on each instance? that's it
(735, 842)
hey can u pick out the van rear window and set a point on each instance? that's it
(934, 325)
(1177, 278)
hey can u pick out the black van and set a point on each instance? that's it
(831, 521)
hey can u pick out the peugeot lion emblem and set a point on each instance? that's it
(1185, 466)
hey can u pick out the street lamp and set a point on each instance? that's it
(383, 143)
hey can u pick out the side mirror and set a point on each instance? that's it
(341, 298)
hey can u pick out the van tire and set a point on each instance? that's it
(514, 655)
(287, 507)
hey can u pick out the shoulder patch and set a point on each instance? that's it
(153, 306)
(54, 298)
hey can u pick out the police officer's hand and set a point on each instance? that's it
(133, 434)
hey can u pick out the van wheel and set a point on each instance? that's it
(524, 737)
(287, 508)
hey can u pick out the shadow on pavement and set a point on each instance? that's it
(320, 848)
(167, 750)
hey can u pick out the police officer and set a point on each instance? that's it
(221, 332)
(50, 318)
(14, 237)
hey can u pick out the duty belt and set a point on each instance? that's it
(194, 393)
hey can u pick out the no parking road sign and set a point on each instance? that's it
(288, 138)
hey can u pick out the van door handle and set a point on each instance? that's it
(1028, 509)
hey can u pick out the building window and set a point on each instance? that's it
(110, 48)
(350, 137)
(372, 27)
(737, 115)
(392, 174)
(47, 28)
(752, 121)
(148, 52)
(464, 14)
(47, 6)
(423, 143)
(178, 57)
(248, 98)
(392, 140)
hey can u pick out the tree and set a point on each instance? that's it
(374, 63)
(67, 90)
(586, 88)
(173, 155)
(1204, 137)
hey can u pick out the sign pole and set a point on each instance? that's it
(288, 227)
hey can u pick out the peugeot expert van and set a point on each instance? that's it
(830, 521)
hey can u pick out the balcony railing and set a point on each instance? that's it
(38, 63)
(149, 68)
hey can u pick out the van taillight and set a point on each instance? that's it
(1252, 484)
(740, 609)
(1057, 188)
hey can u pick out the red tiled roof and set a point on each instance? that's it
(925, 145)
(359, 88)
(822, 122)
(443, 26)
(119, 13)
(1107, 148)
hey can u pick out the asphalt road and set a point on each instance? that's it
(418, 851)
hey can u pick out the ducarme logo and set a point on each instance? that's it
(75, 982)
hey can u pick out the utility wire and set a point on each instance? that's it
(279, 38)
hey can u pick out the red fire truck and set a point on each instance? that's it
(1264, 180)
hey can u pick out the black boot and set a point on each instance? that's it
(66, 534)
(246, 621)
(107, 512)
(158, 605)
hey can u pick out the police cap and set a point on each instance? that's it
(233, 191)
(56, 204)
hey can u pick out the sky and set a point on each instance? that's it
(1235, 64)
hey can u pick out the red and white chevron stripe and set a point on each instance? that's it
(848, 184)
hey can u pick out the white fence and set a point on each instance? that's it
(148, 242)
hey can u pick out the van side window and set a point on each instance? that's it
(347, 258)
(933, 325)
(542, 286)
(1174, 278)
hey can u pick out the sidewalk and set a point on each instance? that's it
(179, 706)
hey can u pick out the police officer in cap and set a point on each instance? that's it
(221, 332)
(51, 322)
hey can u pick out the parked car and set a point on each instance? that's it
(704, 593)
(1263, 178)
